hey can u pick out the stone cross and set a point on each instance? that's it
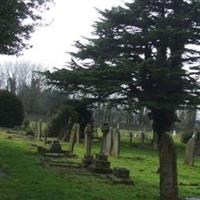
(105, 130)
(73, 137)
(116, 143)
(168, 169)
(88, 139)
(189, 152)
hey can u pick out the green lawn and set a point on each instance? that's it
(27, 179)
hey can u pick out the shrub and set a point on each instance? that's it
(60, 120)
(11, 110)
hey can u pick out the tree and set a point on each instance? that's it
(18, 18)
(137, 58)
(11, 110)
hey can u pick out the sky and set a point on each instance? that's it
(69, 21)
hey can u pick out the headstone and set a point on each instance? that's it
(72, 137)
(189, 152)
(130, 137)
(116, 143)
(39, 130)
(105, 130)
(88, 139)
(78, 134)
(168, 169)
(109, 141)
(67, 130)
(88, 158)
(120, 175)
(56, 147)
(45, 137)
(197, 143)
(142, 136)
(100, 164)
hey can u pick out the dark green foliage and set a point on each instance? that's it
(11, 110)
(17, 21)
(76, 110)
(60, 120)
(137, 59)
(26, 124)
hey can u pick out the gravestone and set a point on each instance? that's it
(109, 141)
(189, 152)
(105, 130)
(100, 164)
(56, 147)
(39, 130)
(88, 139)
(142, 136)
(88, 158)
(73, 137)
(67, 130)
(168, 169)
(78, 134)
(120, 175)
(116, 143)
(130, 137)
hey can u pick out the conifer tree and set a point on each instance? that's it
(139, 56)
(17, 21)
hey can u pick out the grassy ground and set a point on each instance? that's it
(27, 179)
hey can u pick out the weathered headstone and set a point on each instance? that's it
(130, 137)
(168, 169)
(73, 137)
(78, 134)
(109, 141)
(142, 136)
(100, 164)
(67, 130)
(56, 147)
(39, 130)
(116, 143)
(120, 175)
(105, 130)
(189, 152)
(88, 139)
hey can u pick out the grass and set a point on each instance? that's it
(27, 179)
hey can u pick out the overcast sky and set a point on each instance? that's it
(70, 19)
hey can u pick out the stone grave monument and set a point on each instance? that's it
(109, 141)
(100, 164)
(116, 143)
(72, 138)
(88, 158)
(168, 169)
(105, 130)
(120, 175)
(189, 152)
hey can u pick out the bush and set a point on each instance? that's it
(74, 109)
(11, 110)
(60, 120)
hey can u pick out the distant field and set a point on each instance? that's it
(27, 179)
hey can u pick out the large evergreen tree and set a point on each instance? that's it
(139, 56)
(17, 21)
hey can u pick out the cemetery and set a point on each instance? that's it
(100, 100)
(33, 168)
